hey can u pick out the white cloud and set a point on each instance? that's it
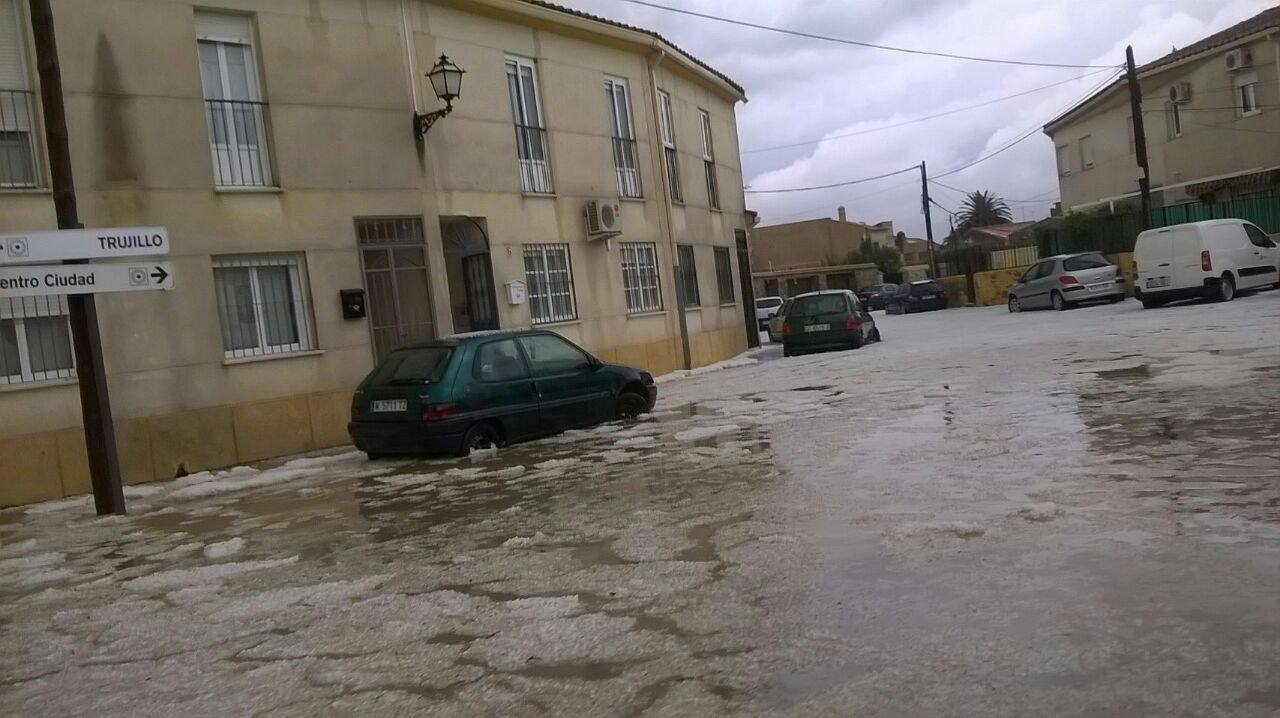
(800, 89)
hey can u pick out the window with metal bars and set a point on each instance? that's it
(263, 305)
(671, 158)
(626, 161)
(549, 279)
(689, 276)
(640, 282)
(724, 275)
(35, 340)
(531, 135)
(709, 162)
(19, 151)
(234, 107)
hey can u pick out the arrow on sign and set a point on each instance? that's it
(159, 275)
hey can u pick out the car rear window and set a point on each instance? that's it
(420, 365)
(821, 304)
(767, 303)
(1088, 261)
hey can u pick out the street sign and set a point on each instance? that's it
(103, 243)
(35, 280)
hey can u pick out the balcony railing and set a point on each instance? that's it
(238, 143)
(535, 168)
(18, 153)
(627, 168)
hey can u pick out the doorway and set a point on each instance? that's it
(393, 257)
(470, 271)
(748, 291)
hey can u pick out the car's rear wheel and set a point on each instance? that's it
(480, 437)
(631, 405)
(1015, 306)
(1226, 288)
(786, 351)
(857, 339)
(1059, 302)
(875, 334)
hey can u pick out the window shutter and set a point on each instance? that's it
(13, 75)
(222, 27)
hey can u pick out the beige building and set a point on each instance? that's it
(814, 241)
(1211, 113)
(276, 142)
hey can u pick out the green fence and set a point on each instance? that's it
(1113, 233)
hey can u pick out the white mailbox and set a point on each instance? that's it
(516, 291)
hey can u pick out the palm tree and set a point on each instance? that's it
(981, 209)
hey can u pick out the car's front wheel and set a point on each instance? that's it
(1015, 306)
(631, 405)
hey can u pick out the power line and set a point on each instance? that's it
(912, 168)
(1018, 201)
(1024, 136)
(920, 119)
(850, 200)
(846, 41)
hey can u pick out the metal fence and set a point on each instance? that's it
(18, 153)
(35, 340)
(1115, 233)
(535, 167)
(1014, 257)
(625, 163)
(238, 142)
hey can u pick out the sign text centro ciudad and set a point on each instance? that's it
(103, 243)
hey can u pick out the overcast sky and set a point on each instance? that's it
(800, 89)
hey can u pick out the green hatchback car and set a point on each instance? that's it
(829, 319)
(476, 391)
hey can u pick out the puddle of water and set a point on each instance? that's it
(1141, 371)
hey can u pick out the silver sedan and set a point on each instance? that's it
(1066, 280)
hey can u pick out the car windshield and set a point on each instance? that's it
(1087, 261)
(819, 304)
(421, 365)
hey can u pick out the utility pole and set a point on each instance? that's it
(99, 433)
(928, 219)
(1139, 137)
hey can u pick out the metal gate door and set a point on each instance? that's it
(477, 275)
(393, 254)
(748, 290)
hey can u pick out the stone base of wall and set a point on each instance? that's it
(664, 356)
(54, 464)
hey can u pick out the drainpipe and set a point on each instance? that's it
(408, 55)
(666, 217)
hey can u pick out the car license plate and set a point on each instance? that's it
(817, 328)
(929, 296)
(1157, 282)
(1101, 286)
(389, 405)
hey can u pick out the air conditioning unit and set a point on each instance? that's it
(1239, 58)
(1180, 93)
(604, 217)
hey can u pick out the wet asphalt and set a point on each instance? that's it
(986, 514)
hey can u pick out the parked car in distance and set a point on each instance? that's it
(1214, 258)
(775, 322)
(476, 391)
(766, 309)
(919, 296)
(827, 319)
(875, 296)
(1066, 280)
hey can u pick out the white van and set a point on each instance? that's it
(1214, 258)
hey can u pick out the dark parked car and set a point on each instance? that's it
(875, 296)
(919, 296)
(487, 389)
(828, 319)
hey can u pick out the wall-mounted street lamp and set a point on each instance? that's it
(446, 80)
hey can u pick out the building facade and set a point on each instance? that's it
(1211, 114)
(276, 142)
